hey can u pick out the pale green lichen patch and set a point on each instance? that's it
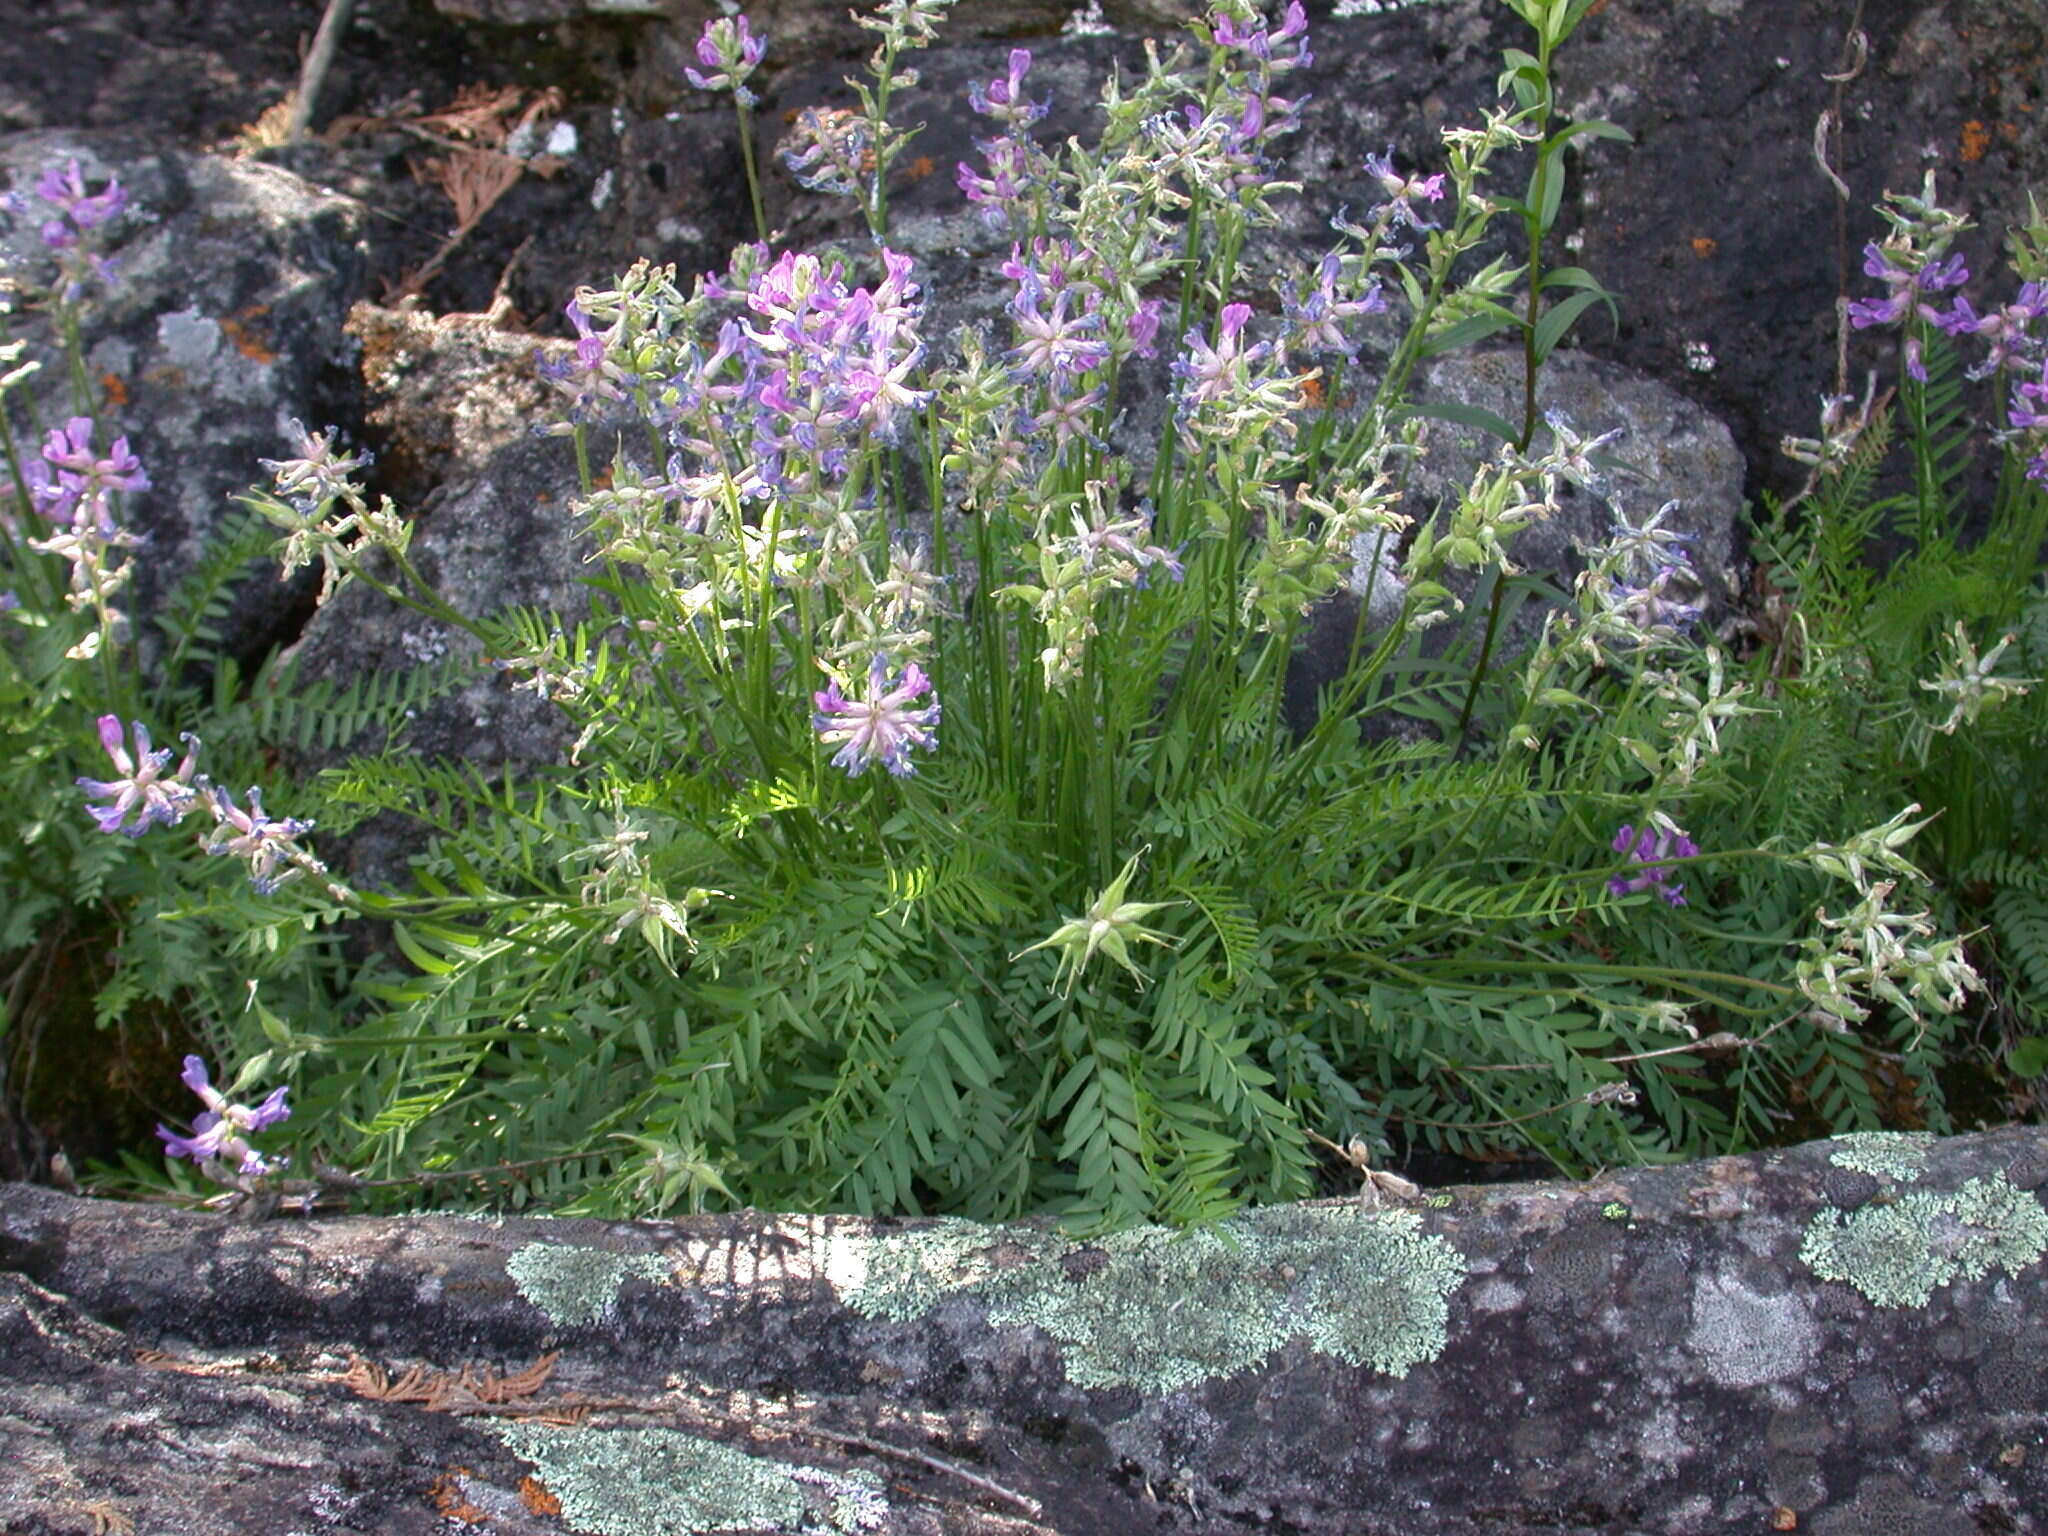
(574, 1285)
(1900, 1155)
(655, 1482)
(1163, 1311)
(1898, 1255)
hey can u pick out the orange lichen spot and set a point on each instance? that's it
(535, 1496)
(247, 342)
(922, 167)
(116, 388)
(449, 1499)
(1704, 246)
(1976, 139)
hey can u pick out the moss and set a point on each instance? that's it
(1898, 1255)
(575, 1285)
(1164, 1311)
(654, 1482)
(1892, 1154)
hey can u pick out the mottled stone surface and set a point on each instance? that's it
(1665, 1352)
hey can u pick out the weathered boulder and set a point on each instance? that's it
(1844, 1337)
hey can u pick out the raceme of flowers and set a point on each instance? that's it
(145, 791)
(1914, 264)
(73, 222)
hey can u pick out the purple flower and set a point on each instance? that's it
(217, 1134)
(728, 46)
(1003, 99)
(1651, 847)
(1013, 173)
(1255, 40)
(2005, 328)
(65, 190)
(1118, 538)
(589, 374)
(68, 450)
(143, 787)
(880, 728)
(1904, 287)
(1143, 326)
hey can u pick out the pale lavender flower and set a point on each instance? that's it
(880, 728)
(1211, 375)
(1652, 846)
(1317, 311)
(1403, 192)
(1118, 538)
(1056, 346)
(267, 842)
(319, 474)
(588, 375)
(218, 1134)
(143, 789)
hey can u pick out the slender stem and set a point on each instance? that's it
(753, 176)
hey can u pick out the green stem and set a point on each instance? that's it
(753, 176)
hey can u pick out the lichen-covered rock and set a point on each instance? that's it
(1680, 1351)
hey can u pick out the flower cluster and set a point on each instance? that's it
(881, 727)
(145, 791)
(830, 150)
(1225, 142)
(1874, 951)
(811, 371)
(588, 375)
(2027, 418)
(1652, 846)
(306, 491)
(1018, 170)
(1103, 553)
(218, 1143)
(72, 225)
(1322, 302)
(1400, 195)
(1639, 590)
(1913, 263)
(72, 490)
